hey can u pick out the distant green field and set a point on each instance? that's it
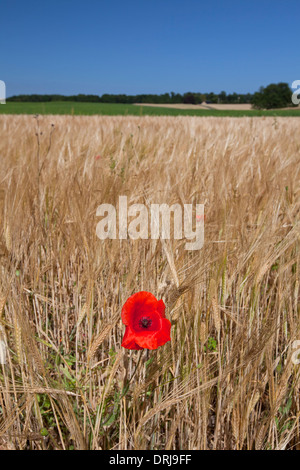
(112, 109)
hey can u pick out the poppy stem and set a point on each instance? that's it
(126, 387)
(136, 367)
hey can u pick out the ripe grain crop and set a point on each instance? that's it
(226, 380)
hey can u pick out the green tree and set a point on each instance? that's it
(211, 98)
(223, 97)
(189, 98)
(273, 96)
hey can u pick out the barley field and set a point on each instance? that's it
(227, 378)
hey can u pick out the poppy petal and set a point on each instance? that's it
(153, 340)
(129, 340)
(161, 308)
(144, 300)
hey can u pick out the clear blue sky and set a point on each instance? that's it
(147, 46)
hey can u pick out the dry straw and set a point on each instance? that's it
(226, 380)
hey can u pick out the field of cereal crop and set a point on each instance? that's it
(228, 378)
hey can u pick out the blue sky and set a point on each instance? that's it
(147, 46)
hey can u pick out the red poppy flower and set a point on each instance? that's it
(146, 324)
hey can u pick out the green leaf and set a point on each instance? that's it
(44, 432)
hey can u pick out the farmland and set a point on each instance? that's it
(112, 109)
(226, 380)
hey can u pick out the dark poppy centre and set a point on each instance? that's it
(145, 322)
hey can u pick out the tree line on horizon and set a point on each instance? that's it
(272, 96)
(165, 98)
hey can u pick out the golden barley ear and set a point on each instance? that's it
(260, 437)
(235, 425)
(18, 340)
(203, 332)
(7, 237)
(214, 304)
(175, 294)
(101, 337)
(3, 298)
(82, 315)
(85, 310)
